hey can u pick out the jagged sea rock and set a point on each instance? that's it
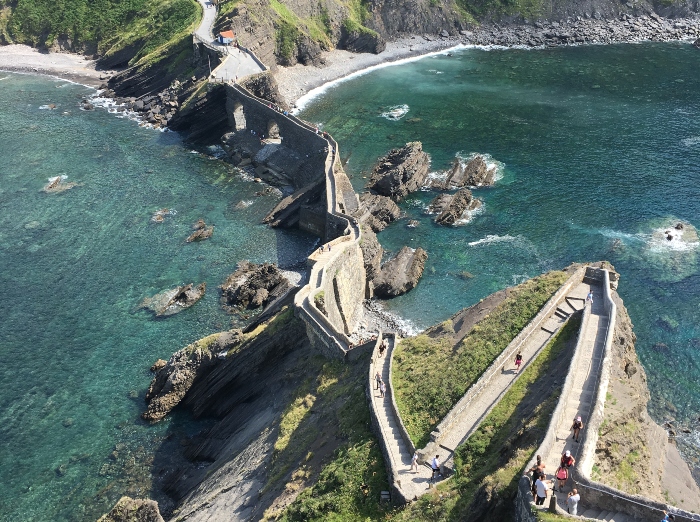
(201, 232)
(401, 273)
(383, 210)
(252, 286)
(58, 184)
(475, 173)
(451, 207)
(173, 380)
(129, 509)
(372, 253)
(400, 172)
(170, 302)
(158, 365)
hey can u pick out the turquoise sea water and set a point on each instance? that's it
(74, 349)
(600, 147)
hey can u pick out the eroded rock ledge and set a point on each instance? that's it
(450, 207)
(401, 273)
(253, 285)
(400, 172)
(128, 509)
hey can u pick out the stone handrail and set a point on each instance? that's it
(387, 451)
(208, 45)
(507, 354)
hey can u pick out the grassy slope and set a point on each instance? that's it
(105, 26)
(431, 373)
(490, 463)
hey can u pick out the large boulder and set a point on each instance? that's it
(401, 273)
(133, 510)
(252, 286)
(449, 208)
(359, 39)
(382, 210)
(400, 172)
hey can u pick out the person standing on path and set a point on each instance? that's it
(577, 426)
(414, 462)
(537, 470)
(378, 378)
(562, 475)
(589, 298)
(518, 361)
(435, 464)
(572, 502)
(542, 487)
(382, 389)
(667, 517)
(567, 460)
(382, 347)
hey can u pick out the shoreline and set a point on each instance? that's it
(17, 58)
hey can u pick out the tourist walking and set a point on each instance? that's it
(668, 516)
(567, 460)
(382, 389)
(414, 462)
(572, 502)
(435, 465)
(518, 361)
(378, 378)
(562, 475)
(382, 347)
(589, 298)
(541, 486)
(577, 426)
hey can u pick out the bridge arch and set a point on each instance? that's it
(273, 130)
(239, 116)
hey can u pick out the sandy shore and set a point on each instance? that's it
(73, 67)
(296, 81)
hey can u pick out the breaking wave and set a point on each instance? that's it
(396, 112)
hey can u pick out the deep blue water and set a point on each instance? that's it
(600, 147)
(75, 351)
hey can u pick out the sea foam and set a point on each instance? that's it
(493, 238)
(396, 112)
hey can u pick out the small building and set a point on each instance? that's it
(226, 37)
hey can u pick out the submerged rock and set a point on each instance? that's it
(382, 210)
(252, 286)
(401, 273)
(170, 302)
(451, 207)
(400, 172)
(201, 232)
(58, 184)
(128, 509)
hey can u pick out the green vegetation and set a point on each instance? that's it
(490, 463)
(320, 301)
(286, 36)
(495, 8)
(546, 516)
(351, 26)
(431, 373)
(104, 26)
(349, 486)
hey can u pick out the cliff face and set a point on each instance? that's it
(633, 452)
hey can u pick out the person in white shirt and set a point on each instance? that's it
(435, 464)
(542, 487)
(414, 462)
(572, 501)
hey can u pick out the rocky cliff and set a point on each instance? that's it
(634, 453)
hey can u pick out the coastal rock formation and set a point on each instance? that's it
(382, 210)
(252, 286)
(170, 302)
(475, 173)
(450, 208)
(372, 252)
(360, 40)
(286, 213)
(173, 380)
(201, 232)
(263, 85)
(128, 509)
(629, 439)
(58, 184)
(400, 172)
(401, 273)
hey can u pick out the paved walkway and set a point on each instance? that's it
(235, 63)
(412, 485)
(468, 421)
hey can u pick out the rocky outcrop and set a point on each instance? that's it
(170, 302)
(263, 85)
(382, 210)
(372, 252)
(450, 208)
(401, 273)
(360, 40)
(58, 184)
(173, 380)
(252, 286)
(129, 509)
(201, 232)
(200, 115)
(475, 173)
(400, 172)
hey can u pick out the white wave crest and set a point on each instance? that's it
(493, 238)
(469, 215)
(691, 142)
(491, 163)
(396, 112)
